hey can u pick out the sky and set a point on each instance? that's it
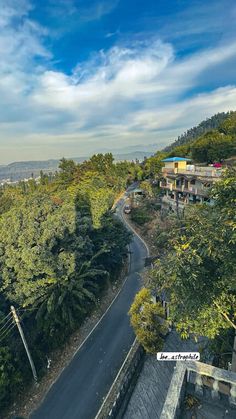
(84, 76)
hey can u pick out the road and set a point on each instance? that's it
(80, 389)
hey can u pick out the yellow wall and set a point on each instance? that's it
(182, 165)
(171, 165)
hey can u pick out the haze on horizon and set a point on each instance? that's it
(83, 76)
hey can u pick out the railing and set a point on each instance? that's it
(181, 188)
(202, 376)
(204, 171)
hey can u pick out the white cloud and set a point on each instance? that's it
(127, 95)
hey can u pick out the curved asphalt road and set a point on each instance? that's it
(80, 389)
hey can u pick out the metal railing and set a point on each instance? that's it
(203, 171)
(181, 188)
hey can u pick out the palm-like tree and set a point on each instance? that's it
(67, 301)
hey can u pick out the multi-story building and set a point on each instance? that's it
(184, 183)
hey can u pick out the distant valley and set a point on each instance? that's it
(25, 169)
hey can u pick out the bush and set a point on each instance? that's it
(140, 216)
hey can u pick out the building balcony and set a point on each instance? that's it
(181, 188)
(210, 172)
(214, 388)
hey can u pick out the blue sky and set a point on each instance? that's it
(83, 76)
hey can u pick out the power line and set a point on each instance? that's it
(9, 314)
(27, 309)
(7, 333)
(8, 327)
(10, 319)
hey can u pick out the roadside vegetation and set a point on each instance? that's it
(195, 256)
(60, 249)
(195, 268)
(148, 321)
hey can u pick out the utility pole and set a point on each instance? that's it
(17, 321)
(233, 366)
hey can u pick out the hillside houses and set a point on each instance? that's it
(184, 183)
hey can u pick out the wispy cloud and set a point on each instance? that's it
(143, 92)
(200, 23)
(111, 34)
(79, 11)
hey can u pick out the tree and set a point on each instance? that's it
(199, 272)
(114, 238)
(93, 192)
(41, 241)
(147, 188)
(67, 171)
(213, 146)
(205, 126)
(181, 150)
(59, 245)
(153, 165)
(9, 376)
(147, 320)
(68, 299)
(228, 127)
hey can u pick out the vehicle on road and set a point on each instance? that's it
(127, 209)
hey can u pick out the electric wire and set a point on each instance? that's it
(8, 327)
(2, 320)
(3, 327)
(27, 309)
(7, 333)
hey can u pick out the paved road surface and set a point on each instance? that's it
(80, 389)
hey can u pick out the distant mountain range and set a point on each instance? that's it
(25, 169)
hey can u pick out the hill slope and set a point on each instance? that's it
(205, 126)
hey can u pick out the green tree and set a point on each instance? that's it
(40, 242)
(147, 319)
(66, 301)
(199, 272)
(228, 127)
(59, 245)
(94, 192)
(153, 165)
(213, 146)
(114, 238)
(9, 376)
(67, 171)
(147, 188)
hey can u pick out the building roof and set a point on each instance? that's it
(173, 159)
(136, 190)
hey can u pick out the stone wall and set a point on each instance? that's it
(118, 397)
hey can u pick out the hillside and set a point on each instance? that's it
(205, 126)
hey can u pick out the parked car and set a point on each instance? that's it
(127, 209)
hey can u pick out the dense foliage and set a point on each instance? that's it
(198, 269)
(59, 248)
(192, 134)
(140, 216)
(212, 146)
(147, 319)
